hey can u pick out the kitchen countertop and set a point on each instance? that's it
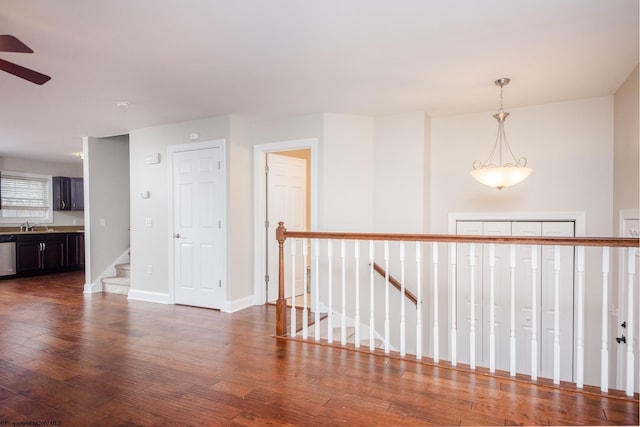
(42, 230)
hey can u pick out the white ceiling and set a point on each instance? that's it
(189, 59)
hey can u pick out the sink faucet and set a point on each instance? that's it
(26, 227)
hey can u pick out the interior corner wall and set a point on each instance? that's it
(400, 151)
(346, 174)
(106, 202)
(626, 178)
(149, 245)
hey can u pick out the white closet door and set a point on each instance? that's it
(501, 296)
(547, 302)
(523, 303)
(464, 275)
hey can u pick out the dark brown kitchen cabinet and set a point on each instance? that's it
(75, 250)
(38, 253)
(68, 193)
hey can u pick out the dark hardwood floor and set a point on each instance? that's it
(76, 360)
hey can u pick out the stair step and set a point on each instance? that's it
(123, 270)
(116, 285)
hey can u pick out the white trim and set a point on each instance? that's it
(202, 145)
(259, 154)
(238, 304)
(579, 217)
(148, 296)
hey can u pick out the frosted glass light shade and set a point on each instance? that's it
(501, 177)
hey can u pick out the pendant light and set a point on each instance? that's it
(502, 168)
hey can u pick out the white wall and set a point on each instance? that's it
(106, 205)
(626, 147)
(569, 145)
(149, 244)
(400, 143)
(346, 174)
(73, 169)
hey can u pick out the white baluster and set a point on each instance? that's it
(512, 323)
(387, 323)
(604, 352)
(316, 294)
(419, 305)
(492, 312)
(372, 322)
(330, 318)
(357, 315)
(534, 315)
(580, 316)
(343, 319)
(293, 287)
(631, 271)
(436, 336)
(472, 325)
(556, 315)
(453, 298)
(403, 343)
(305, 310)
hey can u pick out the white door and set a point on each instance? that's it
(544, 288)
(545, 300)
(287, 202)
(198, 243)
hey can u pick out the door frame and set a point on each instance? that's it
(195, 146)
(259, 208)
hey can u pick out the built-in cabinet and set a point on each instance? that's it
(68, 193)
(49, 252)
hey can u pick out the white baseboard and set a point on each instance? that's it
(239, 304)
(148, 296)
(92, 288)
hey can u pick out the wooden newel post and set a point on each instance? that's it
(281, 303)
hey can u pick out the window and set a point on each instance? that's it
(25, 197)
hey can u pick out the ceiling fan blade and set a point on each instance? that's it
(10, 43)
(22, 72)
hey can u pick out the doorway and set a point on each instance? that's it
(285, 190)
(197, 223)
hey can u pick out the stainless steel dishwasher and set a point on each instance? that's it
(7, 255)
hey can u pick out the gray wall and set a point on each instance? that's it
(106, 184)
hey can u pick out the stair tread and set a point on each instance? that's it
(124, 266)
(117, 280)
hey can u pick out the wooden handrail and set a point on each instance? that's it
(626, 242)
(282, 234)
(395, 283)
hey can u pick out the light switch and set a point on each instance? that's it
(148, 222)
(103, 222)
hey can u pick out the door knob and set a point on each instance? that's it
(176, 235)
(622, 339)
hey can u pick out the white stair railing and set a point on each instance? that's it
(352, 299)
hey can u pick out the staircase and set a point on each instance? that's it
(350, 332)
(120, 283)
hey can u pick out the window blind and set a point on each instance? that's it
(24, 192)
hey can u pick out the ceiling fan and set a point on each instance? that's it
(10, 43)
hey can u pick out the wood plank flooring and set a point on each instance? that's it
(78, 360)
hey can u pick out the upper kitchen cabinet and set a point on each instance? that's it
(68, 194)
